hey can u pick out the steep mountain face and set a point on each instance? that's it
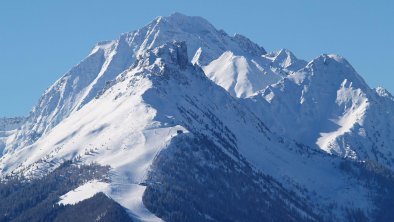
(327, 105)
(108, 59)
(286, 59)
(243, 76)
(197, 125)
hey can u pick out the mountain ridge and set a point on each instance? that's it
(157, 108)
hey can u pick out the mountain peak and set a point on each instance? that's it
(383, 92)
(189, 24)
(179, 16)
(174, 53)
(249, 46)
(331, 59)
(335, 68)
(198, 33)
(286, 59)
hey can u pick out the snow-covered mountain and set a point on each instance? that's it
(108, 59)
(197, 125)
(327, 105)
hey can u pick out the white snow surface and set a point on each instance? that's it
(244, 75)
(84, 192)
(127, 195)
(240, 76)
(130, 196)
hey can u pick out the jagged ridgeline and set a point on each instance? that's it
(199, 125)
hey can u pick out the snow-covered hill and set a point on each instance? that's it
(198, 125)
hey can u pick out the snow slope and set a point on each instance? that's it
(108, 59)
(128, 195)
(243, 76)
(240, 76)
(332, 108)
(84, 192)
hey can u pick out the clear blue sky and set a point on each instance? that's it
(40, 40)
